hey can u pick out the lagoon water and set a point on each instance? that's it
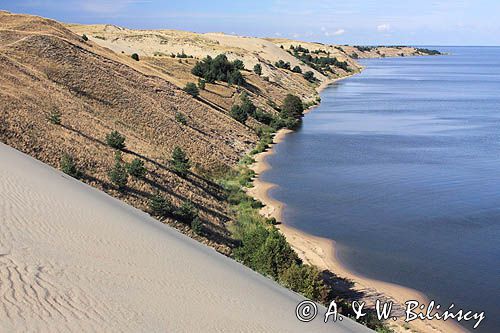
(400, 165)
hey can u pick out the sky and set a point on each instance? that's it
(361, 22)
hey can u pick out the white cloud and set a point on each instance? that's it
(335, 33)
(383, 27)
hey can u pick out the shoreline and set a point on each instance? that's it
(322, 253)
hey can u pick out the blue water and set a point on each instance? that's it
(401, 167)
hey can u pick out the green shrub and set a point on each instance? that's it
(238, 113)
(115, 140)
(219, 69)
(85, 38)
(55, 117)
(238, 64)
(263, 117)
(309, 76)
(180, 161)
(257, 69)
(135, 56)
(68, 166)
(181, 118)
(305, 280)
(197, 226)
(297, 69)
(282, 64)
(186, 212)
(159, 206)
(192, 89)
(136, 168)
(118, 174)
(292, 107)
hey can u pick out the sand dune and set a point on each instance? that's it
(72, 258)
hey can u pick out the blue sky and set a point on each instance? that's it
(369, 22)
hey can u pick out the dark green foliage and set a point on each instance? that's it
(186, 213)
(182, 55)
(201, 84)
(118, 174)
(238, 64)
(282, 64)
(238, 113)
(257, 69)
(68, 166)
(292, 107)
(364, 48)
(297, 69)
(219, 69)
(115, 140)
(309, 76)
(197, 226)
(85, 38)
(180, 161)
(55, 117)
(180, 118)
(428, 51)
(159, 206)
(355, 55)
(263, 117)
(247, 105)
(135, 56)
(305, 280)
(299, 49)
(136, 168)
(192, 89)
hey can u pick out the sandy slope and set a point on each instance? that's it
(73, 258)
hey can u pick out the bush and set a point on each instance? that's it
(135, 56)
(309, 76)
(192, 89)
(219, 69)
(136, 168)
(292, 107)
(186, 212)
(197, 226)
(263, 117)
(68, 166)
(159, 206)
(297, 69)
(257, 69)
(55, 117)
(118, 174)
(238, 64)
(181, 118)
(282, 64)
(180, 162)
(238, 113)
(85, 38)
(115, 140)
(305, 280)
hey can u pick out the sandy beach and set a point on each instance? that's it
(321, 251)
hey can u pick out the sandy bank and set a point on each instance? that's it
(74, 259)
(321, 252)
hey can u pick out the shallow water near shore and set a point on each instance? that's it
(400, 165)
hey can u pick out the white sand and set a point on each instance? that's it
(74, 259)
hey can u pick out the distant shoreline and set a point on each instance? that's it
(322, 253)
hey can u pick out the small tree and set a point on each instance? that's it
(186, 212)
(115, 140)
(238, 113)
(180, 161)
(258, 69)
(181, 118)
(192, 89)
(85, 38)
(136, 168)
(238, 64)
(68, 166)
(197, 226)
(135, 56)
(118, 174)
(292, 107)
(309, 76)
(55, 117)
(159, 206)
(297, 69)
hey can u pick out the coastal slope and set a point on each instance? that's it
(73, 258)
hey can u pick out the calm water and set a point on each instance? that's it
(401, 166)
